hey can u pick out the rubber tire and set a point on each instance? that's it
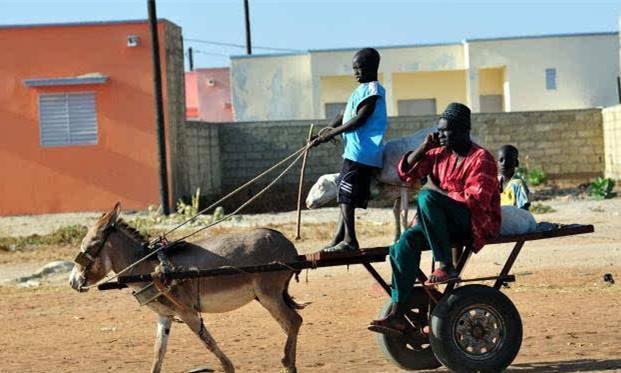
(450, 307)
(395, 349)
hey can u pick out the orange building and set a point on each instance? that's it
(77, 114)
(208, 95)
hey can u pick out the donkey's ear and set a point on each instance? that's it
(113, 215)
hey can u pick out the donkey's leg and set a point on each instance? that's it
(396, 213)
(404, 208)
(271, 297)
(195, 323)
(161, 341)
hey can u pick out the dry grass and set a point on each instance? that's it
(64, 243)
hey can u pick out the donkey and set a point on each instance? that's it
(112, 245)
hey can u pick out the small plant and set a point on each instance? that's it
(153, 216)
(602, 188)
(187, 211)
(533, 177)
(218, 213)
(536, 177)
(184, 212)
(540, 208)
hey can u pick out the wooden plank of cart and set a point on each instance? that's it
(472, 327)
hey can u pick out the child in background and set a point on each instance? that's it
(513, 189)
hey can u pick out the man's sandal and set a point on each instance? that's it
(385, 326)
(441, 276)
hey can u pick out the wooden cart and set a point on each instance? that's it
(467, 326)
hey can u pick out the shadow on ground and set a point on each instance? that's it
(584, 365)
(570, 366)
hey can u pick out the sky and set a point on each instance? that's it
(293, 25)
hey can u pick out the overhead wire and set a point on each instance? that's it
(234, 45)
(194, 50)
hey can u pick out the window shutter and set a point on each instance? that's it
(82, 119)
(68, 119)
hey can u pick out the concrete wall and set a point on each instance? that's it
(271, 87)
(586, 70)
(174, 111)
(491, 81)
(568, 145)
(443, 86)
(612, 141)
(201, 161)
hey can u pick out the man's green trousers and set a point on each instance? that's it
(441, 223)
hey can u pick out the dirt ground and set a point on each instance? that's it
(572, 318)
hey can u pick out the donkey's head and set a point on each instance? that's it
(92, 262)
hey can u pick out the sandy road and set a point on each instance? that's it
(571, 317)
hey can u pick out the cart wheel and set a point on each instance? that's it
(412, 351)
(476, 328)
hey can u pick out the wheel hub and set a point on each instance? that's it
(479, 331)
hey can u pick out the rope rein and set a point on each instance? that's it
(240, 188)
(298, 154)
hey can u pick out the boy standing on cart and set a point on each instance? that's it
(461, 203)
(363, 125)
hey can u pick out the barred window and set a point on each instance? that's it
(67, 119)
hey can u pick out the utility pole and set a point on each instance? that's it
(248, 41)
(191, 58)
(159, 108)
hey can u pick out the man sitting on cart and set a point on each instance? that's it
(459, 204)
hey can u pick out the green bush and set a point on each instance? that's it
(536, 177)
(69, 235)
(602, 188)
(187, 211)
(533, 177)
(540, 208)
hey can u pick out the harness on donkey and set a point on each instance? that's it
(161, 285)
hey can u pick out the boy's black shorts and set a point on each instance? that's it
(354, 183)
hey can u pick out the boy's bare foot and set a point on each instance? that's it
(341, 247)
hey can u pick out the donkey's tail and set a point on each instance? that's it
(289, 299)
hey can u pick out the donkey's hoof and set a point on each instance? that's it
(289, 370)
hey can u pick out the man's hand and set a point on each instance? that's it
(431, 141)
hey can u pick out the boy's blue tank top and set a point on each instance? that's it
(365, 144)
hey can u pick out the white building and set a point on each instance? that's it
(549, 72)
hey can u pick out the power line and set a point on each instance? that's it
(209, 53)
(240, 45)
